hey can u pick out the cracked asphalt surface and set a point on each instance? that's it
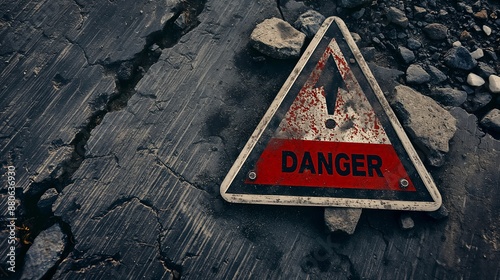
(133, 111)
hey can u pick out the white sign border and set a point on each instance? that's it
(332, 201)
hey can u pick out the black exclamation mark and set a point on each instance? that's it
(331, 81)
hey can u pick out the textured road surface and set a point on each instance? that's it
(137, 157)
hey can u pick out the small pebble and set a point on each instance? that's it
(477, 54)
(494, 82)
(406, 222)
(487, 30)
(474, 80)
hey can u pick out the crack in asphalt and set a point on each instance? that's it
(177, 175)
(95, 260)
(279, 9)
(135, 69)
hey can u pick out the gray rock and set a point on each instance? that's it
(309, 23)
(484, 70)
(492, 121)
(407, 55)
(292, 9)
(46, 200)
(368, 53)
(491, 54)
(353, 3)
(428, 124)
(436, 31)
(478, 101)
(406, 222)
(419, 11)
(378, 42)
(387, 77)
(413, 44)
(459, 58)
(449, 96)
(397, 17)
(494, 83)
(44, 253)
(342, 219)
(277, 38)
(415, 74)
(437, 76)
(439, 214)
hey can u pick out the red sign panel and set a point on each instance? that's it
(330, 165)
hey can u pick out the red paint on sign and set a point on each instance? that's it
(353, 154)
(288, 162)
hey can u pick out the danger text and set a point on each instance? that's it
(327, 163)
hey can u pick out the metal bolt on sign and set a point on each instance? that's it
(252, 175)
(403, 183)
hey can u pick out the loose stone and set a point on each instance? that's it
(475, 80)
(277, 38)
(494, 82)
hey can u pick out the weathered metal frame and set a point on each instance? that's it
(332, 201)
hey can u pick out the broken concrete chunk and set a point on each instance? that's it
(309, 23)
(44, 253)
(492, 121)
(342, 219)
(277, 38)
(428, 124)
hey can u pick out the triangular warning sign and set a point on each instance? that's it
(331, 139)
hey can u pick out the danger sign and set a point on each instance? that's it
(330, 138)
